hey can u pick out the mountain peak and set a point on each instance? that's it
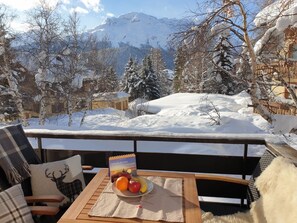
(136, 15)
(137, 29)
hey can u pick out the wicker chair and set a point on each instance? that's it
(251, 193)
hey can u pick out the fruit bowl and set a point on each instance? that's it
(127, 193)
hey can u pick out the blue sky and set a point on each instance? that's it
(94, 12)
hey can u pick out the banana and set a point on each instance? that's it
(143, 183)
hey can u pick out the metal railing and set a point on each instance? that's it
(162, 160)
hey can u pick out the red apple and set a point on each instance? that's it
(134, 186)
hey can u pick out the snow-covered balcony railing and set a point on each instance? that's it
(223, 154)
(231, 153)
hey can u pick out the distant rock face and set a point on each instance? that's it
(130, 35)
(137, 29)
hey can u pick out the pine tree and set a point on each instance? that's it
(113, 80)
(148, 86)
(110, 80)
(131, 79)
(219, 80)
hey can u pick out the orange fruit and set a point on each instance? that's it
(122, 183)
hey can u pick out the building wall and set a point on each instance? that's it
(120, 104)
(287, 68)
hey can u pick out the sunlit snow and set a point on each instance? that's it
(182, 114)
(210, 115)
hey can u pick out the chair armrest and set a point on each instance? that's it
(44, 198)
(221, 178)
(44, 210)
(87, 167)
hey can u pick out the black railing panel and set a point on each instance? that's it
(221, 189)
(195, 163)
(64, 144)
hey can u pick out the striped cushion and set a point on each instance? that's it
(13, 206)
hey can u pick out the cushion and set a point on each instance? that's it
(208, 217)
(13, 207)
(277, 186)
(62, 177)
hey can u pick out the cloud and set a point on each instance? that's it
(67, 2)
(79, 10)
(19, 4)
(22, 5)
(93, 5)
(19, 26)
(109, 14)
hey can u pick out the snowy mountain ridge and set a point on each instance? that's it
(138, 29)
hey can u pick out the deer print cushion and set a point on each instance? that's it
(62, 177)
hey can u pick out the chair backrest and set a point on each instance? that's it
(252, 192)
(28, 152)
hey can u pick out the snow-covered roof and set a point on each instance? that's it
(282, 13)
(276, 9)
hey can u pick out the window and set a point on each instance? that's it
(118, 105)
(57, 108)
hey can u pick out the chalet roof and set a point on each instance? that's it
(277, 17)
(272, 12)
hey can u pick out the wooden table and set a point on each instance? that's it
(78, 211)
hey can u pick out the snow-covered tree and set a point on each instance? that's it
(243, 72)
(101, 60)
(179, 64)
(159, 67)
(219, 79)
(70, 64)
(94, 69)
(131, 79)
(10, 95)
(148, 86)
(192, 62)
(45, 32)
(236, 19)
(103, 57)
